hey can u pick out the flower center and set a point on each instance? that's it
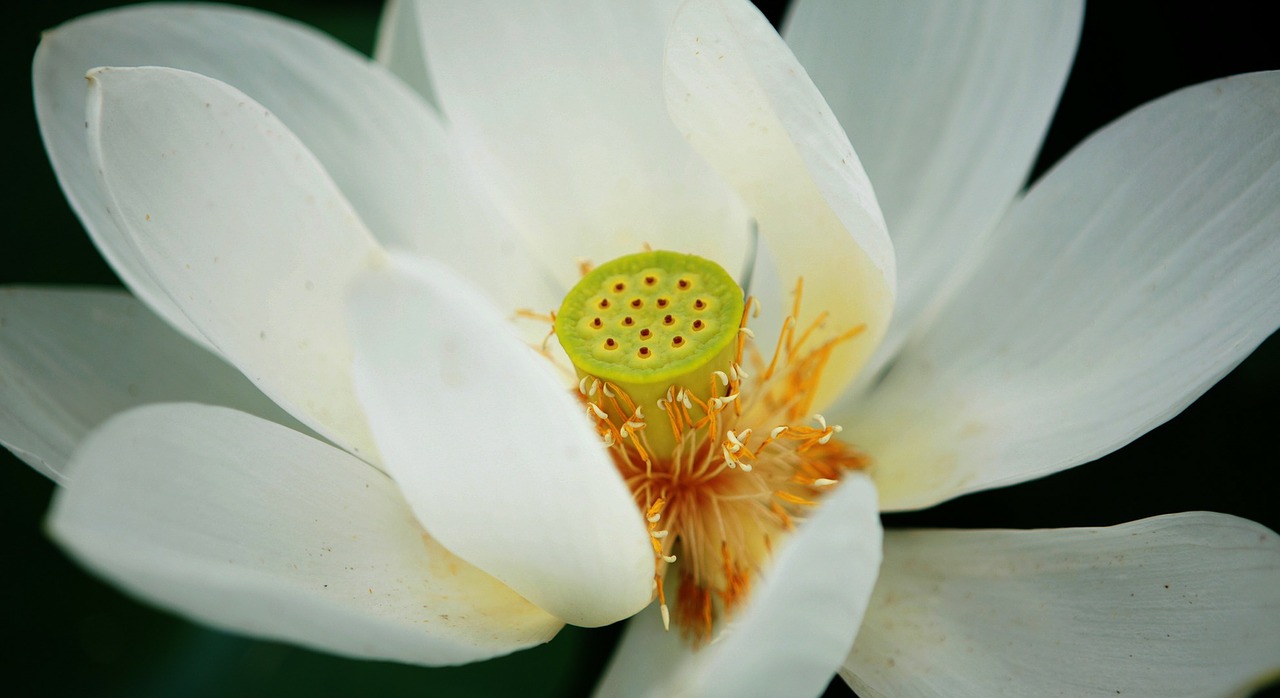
(721, 461)
(648, 321)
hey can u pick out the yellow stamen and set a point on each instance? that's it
(720, 461)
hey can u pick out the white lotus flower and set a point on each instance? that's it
(419, 486)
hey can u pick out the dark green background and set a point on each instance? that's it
(66, 633)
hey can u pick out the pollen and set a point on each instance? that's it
(715, 440)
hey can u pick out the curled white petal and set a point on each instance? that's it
(252, 527)
(498, 459)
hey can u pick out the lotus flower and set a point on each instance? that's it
(317, 418)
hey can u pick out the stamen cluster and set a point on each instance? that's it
(749, 461)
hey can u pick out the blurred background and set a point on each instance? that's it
(67, 633)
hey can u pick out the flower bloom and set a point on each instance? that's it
(317, 421)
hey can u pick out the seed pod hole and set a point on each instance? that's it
(610, 343)
(698, 325)
(637, 303)
(677, 341)
(699, 304)
(643, 352)
(628, 321)
(668, 320)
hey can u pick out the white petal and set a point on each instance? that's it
(382, 144)
(947, 104)
(794, 633)
(242, 228)
(70, 358)
(744, 102)
(563, 103)
(645, 660)
(496, 457)
(254, 528)
(1137, 273)
(1181, 605)
(399, 47)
